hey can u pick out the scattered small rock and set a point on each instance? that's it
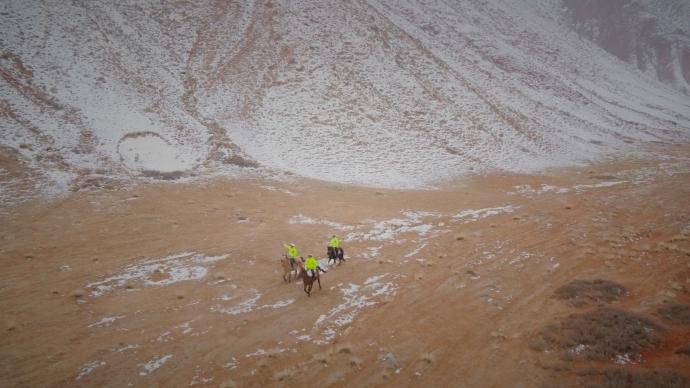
(390, 362)
(459, 237)
(78, 293)
(180, 296)
(12, 326)
(568, 207)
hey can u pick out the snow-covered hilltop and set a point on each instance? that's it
(386, 93)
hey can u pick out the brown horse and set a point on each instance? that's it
(287, 269)
(307, 280)
(335, 254)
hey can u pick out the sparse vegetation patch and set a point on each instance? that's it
(603, 334)
(580, 293)
(676, 313)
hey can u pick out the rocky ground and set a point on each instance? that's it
(569, 277)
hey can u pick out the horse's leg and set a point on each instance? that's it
(318, 279)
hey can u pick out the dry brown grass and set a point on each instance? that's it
(599, 335)
(580, 293)
(685, 350)
(676, 313)
(618, 377)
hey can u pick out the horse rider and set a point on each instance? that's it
(291, 254)
(333, 246)
(310, 265)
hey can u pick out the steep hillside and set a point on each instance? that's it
(654, 35)
(384, 93)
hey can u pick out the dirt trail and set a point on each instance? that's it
(177, 285)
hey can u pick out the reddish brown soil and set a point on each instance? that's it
(465, 310)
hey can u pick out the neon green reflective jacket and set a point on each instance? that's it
(291, 252)
(335, 243)
(310, 263)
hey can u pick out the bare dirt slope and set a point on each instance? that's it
(173, 285)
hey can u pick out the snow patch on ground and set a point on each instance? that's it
(151, 152)
(243, 307)
(170, 269)
(232, 364)
(106, 321)
(582, 188)
(472, 215)
(355, 298)
(154, 364)
(88, 368)
(304, 220)
(529, 191)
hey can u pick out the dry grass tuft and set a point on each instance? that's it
(600, 335)
(685, 350)
(228, 384)
(344, 348)
(676, 313)
(322, 358)
(618, 377)
(78, 293)
(580, 293)
(284, 374)
(428, 358)
(273, 353)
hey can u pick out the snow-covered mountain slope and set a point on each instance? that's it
(386, 93)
